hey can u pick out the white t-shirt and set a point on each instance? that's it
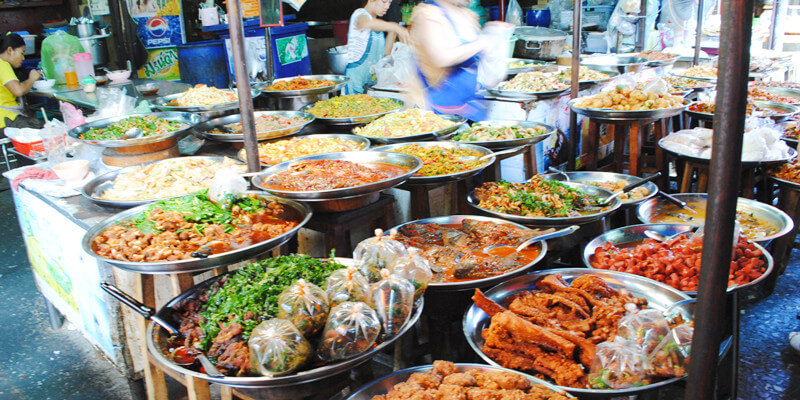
(357, 39)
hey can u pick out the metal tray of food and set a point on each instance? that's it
(658, 295)
(530, 65)
(703, 116)
(789, 92)
(382, 386)
(786, 184)
(413, 164)
(556, 221)
(598, 176)
(484, 282)
(242, 154)
(766, 163)
(161, 103)
(507, 144)
(785, 110)
(697, 78)
(654, 63)
(188, 119)
(435, 135)
(339, 82)
(194, 264)
(772, 215)
(457, 176)
(291, 386)
(353, 121)
(516, 94)
(611, 76)
(204, 129)
(613, 62)
(100, 184)
(614, 115)
(635, 234)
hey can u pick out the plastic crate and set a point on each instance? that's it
(29, 149)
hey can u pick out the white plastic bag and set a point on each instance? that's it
(226, 186)
(113, 102)
(514, 13)
(493, 64)
(396, 69)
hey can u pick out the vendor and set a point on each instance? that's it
(366, 44)
(12, 48)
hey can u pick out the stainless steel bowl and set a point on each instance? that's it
(95, 188)
(617, 63)
(789, 92)
(242, 154)
(614, 115)
(187, 119)
(597, 176)
(353, 121)
(339, 82)
(530, 65)
(786, 184)
(477, 283)
(556, 221)
(411, 163)
(764, 163)
(517, 94)
(204, 129)
(456, 176)
(697, 78)
(195, 264)
(161, 103)
(383, 385)
(786, 110)
(658, 296)
(435, 135)
(780, 220)
(507, 144)
(585, 83)
(631, 235)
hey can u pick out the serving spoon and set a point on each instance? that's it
(628, 188)
(490, 155)
(679, 203)
(560, 172)
(133, 133)
(561, 232)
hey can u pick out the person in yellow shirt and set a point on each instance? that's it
(12, 49)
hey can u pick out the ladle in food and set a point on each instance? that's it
(150, 314)
(561, 232)
(133, 133)
(560, 172)
(679, 203)
(490, 155)
(655, 235)
(628, 188)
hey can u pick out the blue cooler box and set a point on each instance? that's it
(289, 49)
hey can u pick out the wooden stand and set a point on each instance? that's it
(420, 198)
(492, 173)
(789, 202)
(691, 168)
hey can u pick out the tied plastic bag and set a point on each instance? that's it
(624, 82)
(645, 328)
(377, 253)
(305, 305)
(72, 116)
(396, 69)
(57, 51)
(514, 13)
(226, 187)
(113, 102)
(657, 86)
(414, 268)
(616, 365)
(493, 64)
(672, 355)
(352, 329)
(346, 284)
(277, 348)
(393, 299)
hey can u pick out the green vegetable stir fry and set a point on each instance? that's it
(535, 198)
(149, 124)
(491, 133)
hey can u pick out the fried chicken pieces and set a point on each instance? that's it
(447, 382)
(552, 331)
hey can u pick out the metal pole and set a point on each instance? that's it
(270, 59)
(698, 32)
(642, 25)
(574, 135)
(501, 16)
(779, 11)
(236, 30)
(724, 178)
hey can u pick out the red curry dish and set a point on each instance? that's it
(313, 175)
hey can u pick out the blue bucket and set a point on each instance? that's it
(204, 62)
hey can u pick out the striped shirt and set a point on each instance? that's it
(357, 39)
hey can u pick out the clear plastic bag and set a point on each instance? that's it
(657, 86)
(113, 102)
(670, 358)
(277, 347)
(226, 186)
(346, 284)
(305, 305)
(616, 365)
(57, 51)
(493, 62)
(645, 328)
(376, 253)
(414, 268)
(352, 329)
(625, 82)
(393, 299)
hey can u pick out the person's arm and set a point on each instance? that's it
(19, 89)
(441, 44)
(391, 37)
(377, 24)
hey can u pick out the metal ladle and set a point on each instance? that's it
(133, 133)
(490, 155)
(561, 232)
(560, 172)
(628, 188)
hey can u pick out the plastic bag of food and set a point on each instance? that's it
(393, 299)
(352, 329)
(305, 305)
(416, 269)
(226, 186)
(657, 86)
(376, 253)
(671, 357)
(624, 82)
(645, 328)
(277, 347)
(617, 365)
(346, 284)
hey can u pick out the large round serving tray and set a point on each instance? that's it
(661, 63)
(747, 164)
(703, 116)
(383, 385)
(435, 135)
(187, 119)
(555, 221)
(614, 115)
(658, 295)
(507, 144)
(339, 82)
(530, 65)
(100, 184)
(413, 164)
(635, 234)
(204, 129)
(784, 183)
(457, 176)
(517, 94)
(484, 282)
(614, 62)
(353, 121)
(161, 104)
(611, 76)
(697, 78)
(194, 264)
(789, 92)
(285, 386)
(779, 219)
(242, 154)
(598, 176)
(787, 110)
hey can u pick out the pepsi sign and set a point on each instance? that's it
(160, 31)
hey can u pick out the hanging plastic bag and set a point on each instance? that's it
(305, 305)
(514, 13)
(277, 348)
(645, 328)
(493, 62)
(57, 51)
(113, 102)
(376, 253)
(396, 69)
(414, 268)
(393, 299)
(226, 186)
(346, 284)
(657, 86)
(670, 358)
(72, 116)
(616, 365)
(352, 329)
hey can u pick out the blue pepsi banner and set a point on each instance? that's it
(159, 22)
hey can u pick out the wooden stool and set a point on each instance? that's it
(420, 197)
(690, 168)
(493, 172)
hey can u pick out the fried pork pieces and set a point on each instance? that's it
(446, 381)
(552, 332)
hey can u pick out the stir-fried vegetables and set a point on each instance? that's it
(535, 198)
(298, 83)
(404, 123)
(353, 105)
(149, 124)
(490, 133)
(438, 160)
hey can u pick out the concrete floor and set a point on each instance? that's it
(40, 363)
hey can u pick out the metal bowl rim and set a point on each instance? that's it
(456, 119)
(345, 136)
(447, 177)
